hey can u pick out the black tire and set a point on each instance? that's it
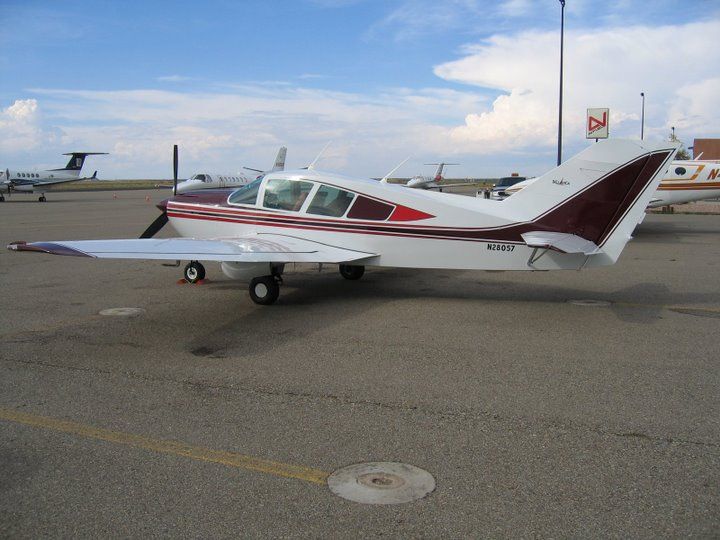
(349, 271)
(194, 272)
(41, 198)
(2, 198)
(264, 290)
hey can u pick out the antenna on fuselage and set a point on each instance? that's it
(384, 179)
(312, 165)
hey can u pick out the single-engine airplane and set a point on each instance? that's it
(207, 180)
(685, 181)
(29, 181)
(579, 215)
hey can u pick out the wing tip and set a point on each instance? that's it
(47, 247)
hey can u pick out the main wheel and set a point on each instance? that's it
(42, 198)
(264, 290)
(194, 272)
(349, 271)
(2, 198)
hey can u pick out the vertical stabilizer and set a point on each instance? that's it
(280, 160)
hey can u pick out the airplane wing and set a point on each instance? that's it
(562, 242)
(259, 248)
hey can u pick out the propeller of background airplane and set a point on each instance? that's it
(162, 219)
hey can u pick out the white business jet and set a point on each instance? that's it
(579, 215)
(206, 180)
(29, 181)
(430, 182)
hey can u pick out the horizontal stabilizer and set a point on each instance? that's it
(562, 242)
(272, 248)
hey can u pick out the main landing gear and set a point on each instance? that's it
(194, 272)
(352, 272)
(42, 198)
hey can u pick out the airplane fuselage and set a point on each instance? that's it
(214, 181)
(688, 181)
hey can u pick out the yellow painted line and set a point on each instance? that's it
(175, 448)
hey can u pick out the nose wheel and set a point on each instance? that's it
(194, 272)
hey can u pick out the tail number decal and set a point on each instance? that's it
(501, 247)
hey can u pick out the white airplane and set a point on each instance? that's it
(685, 181)
(430, 182)
(579, 215)
(230, 180)
(29, 181)
(688, 181)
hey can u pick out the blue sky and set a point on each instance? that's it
(463, 80)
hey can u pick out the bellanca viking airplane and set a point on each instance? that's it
(29, 181)
(579, 215)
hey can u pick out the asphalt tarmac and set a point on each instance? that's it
(209, 416)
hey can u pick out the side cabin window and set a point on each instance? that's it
(246, 194)
(330, 201)
(366, 208)
(282, 194)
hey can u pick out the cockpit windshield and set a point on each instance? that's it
(246, 194)
(201, 177)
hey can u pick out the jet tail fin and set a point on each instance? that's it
(279, 164)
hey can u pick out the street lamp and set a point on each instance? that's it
(562, 32)
(642, 117)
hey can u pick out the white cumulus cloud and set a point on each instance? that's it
(603, 68)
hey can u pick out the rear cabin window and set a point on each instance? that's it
(286, 194)
(365, 208)
(246, 194)
(330, 201)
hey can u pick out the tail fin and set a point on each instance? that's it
(599, 195)
(77, 160)
(438, 174)
(280, 159)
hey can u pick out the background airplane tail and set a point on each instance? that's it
(599, 195)
(76, 161)
(280, 159)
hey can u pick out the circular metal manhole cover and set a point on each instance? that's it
(589, 303)
(122, 312)
(381, 483)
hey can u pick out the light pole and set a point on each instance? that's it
(642, 117)
(562, 32)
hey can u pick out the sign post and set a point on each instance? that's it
(598, 124)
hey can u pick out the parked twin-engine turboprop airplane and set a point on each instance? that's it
(29, 181)
(685, 181)
(236, 180)
(579, 215)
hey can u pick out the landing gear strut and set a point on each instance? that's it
(349, 271)
(194, 272)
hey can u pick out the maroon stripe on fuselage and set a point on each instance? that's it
(591, 214)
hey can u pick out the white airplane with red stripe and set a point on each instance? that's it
(579, 215)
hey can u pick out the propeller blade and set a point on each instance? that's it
(175, 168)
(155, 226)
